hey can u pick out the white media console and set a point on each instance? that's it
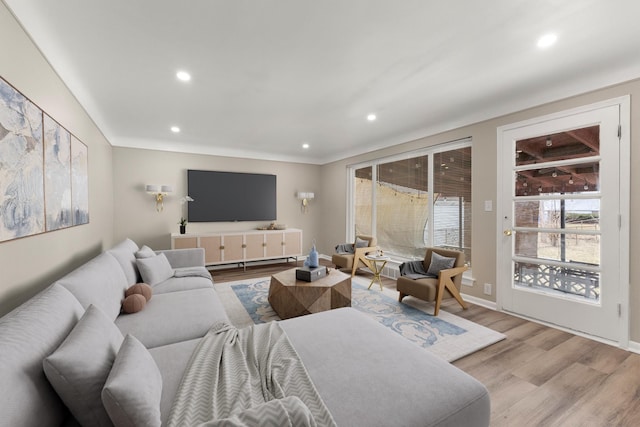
(231, 247)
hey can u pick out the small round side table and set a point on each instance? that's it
(376, 263)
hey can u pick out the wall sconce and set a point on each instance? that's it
(305, 197)
(159, 191)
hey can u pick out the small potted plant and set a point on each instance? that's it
(183, 225)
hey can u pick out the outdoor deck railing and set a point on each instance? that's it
(563, 279)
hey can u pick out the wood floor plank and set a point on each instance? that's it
(517, 354)
(525, 331)
(614, 402)
(552, 362)
(549, 338)
(506, 390)
(506, 323)
(546, 403)
(604, 358)
(479, 357)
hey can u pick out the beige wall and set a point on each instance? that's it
(29, 264)
(136, 216)
(484, 184)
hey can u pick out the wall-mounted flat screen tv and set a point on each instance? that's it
(231, 196)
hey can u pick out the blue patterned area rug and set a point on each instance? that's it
(448, 336)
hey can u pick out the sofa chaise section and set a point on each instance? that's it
(370, 376)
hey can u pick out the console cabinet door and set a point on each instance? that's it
(292, 243)
(185, 242)
(233, 250)
(254, 246)
(212, 248)
(274, 245)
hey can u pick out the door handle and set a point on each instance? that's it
(507, 232)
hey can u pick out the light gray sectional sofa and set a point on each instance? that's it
(366, 374)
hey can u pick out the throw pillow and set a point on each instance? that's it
(140, 288)
(439, 262)
(360, 243)
(145, 252)
(132, 392)
(78, 369)
(133, 303)
(154, 270)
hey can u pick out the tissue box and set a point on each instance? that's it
(309, 274)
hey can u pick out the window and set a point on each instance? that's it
(393, 196)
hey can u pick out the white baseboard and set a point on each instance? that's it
(634, 347)
(479, 301)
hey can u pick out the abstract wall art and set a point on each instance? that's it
(44, 175)
(57, 165)
(79, 181)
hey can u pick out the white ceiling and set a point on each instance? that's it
(270, 75)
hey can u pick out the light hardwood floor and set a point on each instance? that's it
(538, 376)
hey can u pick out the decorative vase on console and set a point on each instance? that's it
(183, 225)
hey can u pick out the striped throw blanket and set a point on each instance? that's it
(247, 377)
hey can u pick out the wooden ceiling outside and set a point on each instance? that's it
(573, 144)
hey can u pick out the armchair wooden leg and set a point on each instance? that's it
(456, 294)
(446, 282)
(354, 268)
(439, 296)
(401, 296)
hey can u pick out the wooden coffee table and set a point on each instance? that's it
(291, 298)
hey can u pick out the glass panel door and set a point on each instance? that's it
(557, 213)
(560, 225)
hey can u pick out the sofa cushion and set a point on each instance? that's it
(79, 368)
(28, 334)
(439, 262)
(132, 392)
(172, 361)
(174, 316)
(154, 269)
(174, 284)
(145, 252)
(100, 282)
(124, 253)
(190, 257)
(360, 243)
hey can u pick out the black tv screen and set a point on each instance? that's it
(231, 196)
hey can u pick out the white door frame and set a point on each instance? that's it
(503, 259)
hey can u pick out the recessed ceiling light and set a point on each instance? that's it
(183, 75)
(305, 146)
(175, 129)
(547, 40)
(371, 117)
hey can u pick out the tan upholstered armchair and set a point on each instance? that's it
(362, 246)
(441, 283)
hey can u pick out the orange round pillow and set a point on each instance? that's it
(140, 288)
(133, 303)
